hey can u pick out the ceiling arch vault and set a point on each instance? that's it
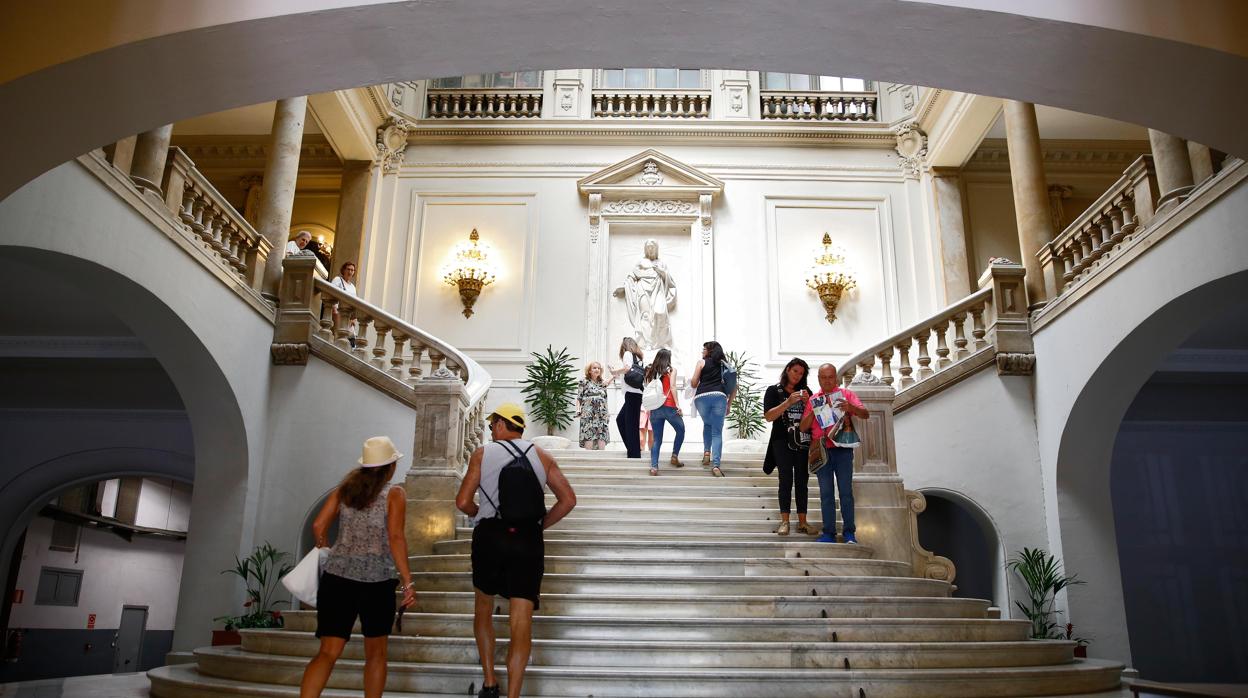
(57, 112)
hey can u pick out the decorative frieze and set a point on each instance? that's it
(1108, 157)
(669, 207)
(1016, 364)
(289, 354)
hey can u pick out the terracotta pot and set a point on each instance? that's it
(1081, 651)
(226, 637)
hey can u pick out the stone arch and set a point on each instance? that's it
(1074, 65)
(994, 545)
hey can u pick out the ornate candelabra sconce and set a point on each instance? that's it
(470, 268)
(830, 277)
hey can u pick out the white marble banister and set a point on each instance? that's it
(673, 104)
(484, 103)
(818, 106)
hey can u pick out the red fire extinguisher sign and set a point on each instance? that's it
(90, 621)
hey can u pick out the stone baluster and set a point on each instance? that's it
(925, 361)
(379, 346)
(1095, 242)
(1130, 222)
(329, 306)
(867, 365)
(435, 361)
(959, 337)
(186, 210)
(363, 320)
(414, 369)
(197, 218)
(342, 330)
(906, 369)
(1068, 265)
(453, 366)
(978, 330)
(1117, 216)
(218, 224)
(396, 357)
(1106, 224)
(942, 349)
(886, 370)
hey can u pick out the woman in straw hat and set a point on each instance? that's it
(358, 580)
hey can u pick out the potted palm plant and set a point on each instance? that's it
(549, 388)
(1044, 578)
(745, 414)
(261, 572)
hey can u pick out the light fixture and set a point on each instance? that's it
(830, 276)
(470, 268)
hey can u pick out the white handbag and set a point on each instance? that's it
(303, 580)
(652, 396)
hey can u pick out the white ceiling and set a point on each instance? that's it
(256, 119)
(1060, 124)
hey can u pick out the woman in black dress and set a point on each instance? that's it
(782, 406)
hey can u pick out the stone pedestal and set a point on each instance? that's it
(438, 463)
(296, 315)
(1009, 329)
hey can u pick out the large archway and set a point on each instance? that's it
(1077, 66)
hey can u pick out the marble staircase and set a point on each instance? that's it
(675, 586)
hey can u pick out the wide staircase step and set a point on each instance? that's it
(677, 586)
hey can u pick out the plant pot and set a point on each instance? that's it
(226, 637)
(1081, 651)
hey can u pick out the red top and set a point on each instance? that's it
(667, 389)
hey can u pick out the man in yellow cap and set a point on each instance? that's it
(508, 550)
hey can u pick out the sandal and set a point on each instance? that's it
(676, 462)
(654, 471)
(783, 528)
(706, 459)
(716, 472)
(803, 527)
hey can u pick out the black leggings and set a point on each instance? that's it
(628, 421)
(793, 471)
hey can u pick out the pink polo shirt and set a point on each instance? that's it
(817, 430)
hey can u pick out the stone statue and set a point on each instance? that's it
(650, 294)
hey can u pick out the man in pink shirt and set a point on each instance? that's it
(829, 417)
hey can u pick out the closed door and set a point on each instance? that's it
(129, 646)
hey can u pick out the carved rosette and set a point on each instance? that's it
(289, 354)
(1015, 364)
(912, 148)
(392, 143)
(650, 207)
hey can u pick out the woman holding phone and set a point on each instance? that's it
(358, 579)
(783, 405)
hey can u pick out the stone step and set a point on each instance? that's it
(764, 499)
(714, 629)
(643, 478)
(641, 469)
(682, 526)
(1074, 677)
(723, 606)
(676, 549)
(700, 586)
(690, 452)
(684, 654)
(648, 511)
(609, 534)
(739, 566)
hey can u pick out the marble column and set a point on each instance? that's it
(951, 225)
(1202, 161)
(150, 150)
(277, 197)
(1031, 194)
(1174, 167)
(357, 177)
(122, 154)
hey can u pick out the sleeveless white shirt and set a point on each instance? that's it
(494, 458)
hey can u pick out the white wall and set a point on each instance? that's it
(164, 504)
(142, 572)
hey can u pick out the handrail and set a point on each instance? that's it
(483, 103)
(793, 105)
(976, 305)
(656, 103)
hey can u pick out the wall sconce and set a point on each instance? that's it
(470, 268)
(830, 276)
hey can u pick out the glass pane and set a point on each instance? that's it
(853, 85)
(529, 78)
(799, 82)
(636, 77)
(504, 79)
(613, 77)
(665, 78)
(775, 81)
(691, 79)
(828, 83)
(447, 82)
(473, 81)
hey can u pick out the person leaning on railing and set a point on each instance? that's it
(345, 281)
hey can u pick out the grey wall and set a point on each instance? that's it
(51, 654)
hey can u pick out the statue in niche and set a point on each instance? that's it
(649, 292)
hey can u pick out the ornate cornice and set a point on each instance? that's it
(249, 152)
(1109, 157)
(872, 135)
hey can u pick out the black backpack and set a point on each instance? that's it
(521, 498)
(635, 377)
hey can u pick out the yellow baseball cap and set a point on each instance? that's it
(511, 412)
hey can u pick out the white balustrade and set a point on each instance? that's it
(483, 104)
(818, 106)
(670, 104)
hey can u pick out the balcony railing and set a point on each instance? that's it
(671, 104)
(484, 104)
(818, 106)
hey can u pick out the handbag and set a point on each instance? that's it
(304, 580)
(817, 456)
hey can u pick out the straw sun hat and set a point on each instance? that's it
(379, 451)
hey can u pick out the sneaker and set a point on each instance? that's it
(488, 692)
(825, 538)
(849, 538)
(783, 528)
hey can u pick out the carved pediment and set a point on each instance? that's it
(650, 174)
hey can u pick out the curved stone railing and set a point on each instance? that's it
(483, 104)
(990, 324)
(674, 104)
(818, 106)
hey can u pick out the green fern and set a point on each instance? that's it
(261, 572)
(549, 388)
(745, 415)
(1042, 573)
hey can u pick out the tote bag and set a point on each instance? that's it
(302, 581)
(653, 397)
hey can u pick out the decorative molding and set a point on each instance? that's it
(912, 148)
(855, 135)
(72, 347)
(650, 207)
(250, 152)
(704, 216)
(595, 216)
(392, 140)
(1109, 157)
(1015, 364)
(289, 354)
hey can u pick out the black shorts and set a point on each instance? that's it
(508, 562)
(339, 601)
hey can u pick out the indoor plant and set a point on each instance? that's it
(549, 387)
(745, 414)
(1042, 573)
(261, 572)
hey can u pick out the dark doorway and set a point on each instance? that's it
(958, 531)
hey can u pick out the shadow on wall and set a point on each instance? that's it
(957, 528)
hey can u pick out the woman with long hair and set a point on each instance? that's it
(358, 579)
(591, 407)
(628, 421)
(711, 403)
(783, 405)
(661, 370)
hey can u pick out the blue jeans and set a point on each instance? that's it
(657, 418)
(840, 466)
(712, 408)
